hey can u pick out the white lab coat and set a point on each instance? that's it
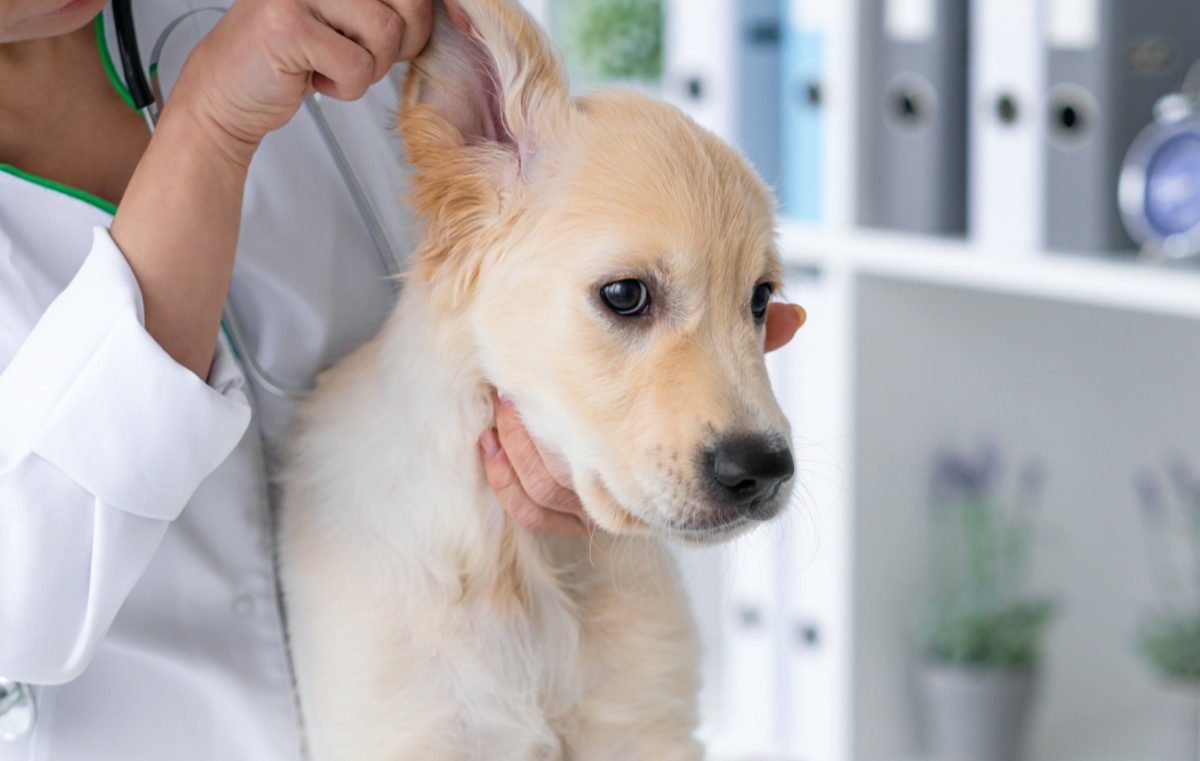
(137, 589)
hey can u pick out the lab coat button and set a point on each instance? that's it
(243, 605)
(18, 713)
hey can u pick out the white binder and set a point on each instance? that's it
(815, 622)
(698, 73)
(751, 710)
(540, 10)
(752, 680)
(1007, 126)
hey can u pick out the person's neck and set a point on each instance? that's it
(42, 58)
(36, 76)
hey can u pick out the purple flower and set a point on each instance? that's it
(1031, 479)
(1186, 485)
(1150, 497)
(960, 477)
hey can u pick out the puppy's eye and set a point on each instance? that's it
(759, 301)
(628, 298)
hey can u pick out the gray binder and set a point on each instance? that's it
(913, 176)
(1108, 61)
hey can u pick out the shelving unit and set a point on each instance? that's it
(1091, 365)
(1116, 282)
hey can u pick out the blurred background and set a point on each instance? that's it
(991, 210)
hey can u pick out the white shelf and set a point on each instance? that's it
(1111, 282)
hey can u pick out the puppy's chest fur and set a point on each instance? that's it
(424, 623)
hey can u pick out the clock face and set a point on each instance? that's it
(1173, 186)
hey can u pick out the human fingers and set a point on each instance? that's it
(547, 482)
(457, 16)
(250, 74)
(341, 67)
(387, 30)
(783, 320)
(517, 503)
(372, 25)
(418, 24)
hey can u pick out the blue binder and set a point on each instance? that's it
(803, 124)
(758, 70)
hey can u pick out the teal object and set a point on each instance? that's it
(803, 125)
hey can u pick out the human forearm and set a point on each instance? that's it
(178, 220)
(177, 226)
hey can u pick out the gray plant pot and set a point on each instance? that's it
(976, 714)
(1181, 716)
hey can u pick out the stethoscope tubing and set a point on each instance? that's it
(362, 202)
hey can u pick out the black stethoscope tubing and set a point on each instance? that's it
(131, 59)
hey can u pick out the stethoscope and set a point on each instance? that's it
(18, 709)
(148, 98)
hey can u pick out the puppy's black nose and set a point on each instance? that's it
(747, 471)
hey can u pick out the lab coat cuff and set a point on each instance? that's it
(133, 427)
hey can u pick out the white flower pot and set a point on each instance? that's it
(976, 714)
(1181, 717)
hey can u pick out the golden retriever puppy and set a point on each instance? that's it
(608, 264)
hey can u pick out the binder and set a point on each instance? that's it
(697, 73)
(758, 62)
(751, 711)
(815, 627)
(751, 673)
(1107, 62)
(540, 10)
(1007, 83)
(914, 173)
(807, 34)
(723, 66)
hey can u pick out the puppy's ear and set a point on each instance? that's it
(480, 105)
(490, 73)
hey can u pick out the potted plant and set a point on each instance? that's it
(983, 634)
(612, 40)
(1169, 638)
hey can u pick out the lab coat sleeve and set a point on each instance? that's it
(103, 440)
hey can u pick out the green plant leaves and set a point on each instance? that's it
(995, 635)
(1171, 643)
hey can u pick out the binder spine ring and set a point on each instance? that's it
(1072, 112)
(911, 104)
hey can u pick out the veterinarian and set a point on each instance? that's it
(139, 614)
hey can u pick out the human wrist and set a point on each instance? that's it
(193, 125)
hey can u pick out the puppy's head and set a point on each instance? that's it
(614, 262)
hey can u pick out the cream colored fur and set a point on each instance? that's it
(425, 625)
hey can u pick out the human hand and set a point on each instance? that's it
(252, 72)
(783, 320)
(536, 490)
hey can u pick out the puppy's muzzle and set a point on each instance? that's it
(746, 472)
